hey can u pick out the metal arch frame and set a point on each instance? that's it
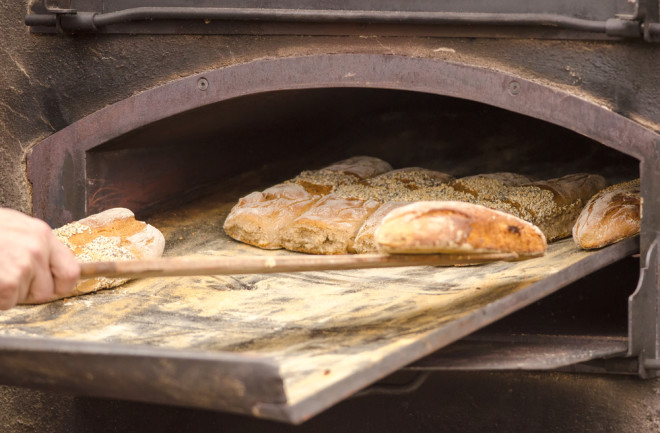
(57, 165)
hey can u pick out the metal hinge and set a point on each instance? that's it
(644, 319)
(647, 13)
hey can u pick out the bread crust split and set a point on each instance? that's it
(611, 215)
(110, 235)
(259, 218)
(365, 240)
(437, 227)
(553, 205)
(328, 227)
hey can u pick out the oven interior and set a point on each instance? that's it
(262, 139)
(278, 134)
(187, 341)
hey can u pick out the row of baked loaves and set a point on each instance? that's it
(338, 209)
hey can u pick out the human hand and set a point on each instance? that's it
(34, 264)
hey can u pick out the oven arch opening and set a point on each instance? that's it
(143, 132)
(162, 145)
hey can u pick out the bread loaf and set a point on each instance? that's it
(456, 227)
(490, 185)
(328, 227)
(569, 195)
(365, 241)
(347, 172)
(111, 235)
(404, 184)
(553, 205)
(361, 166)
(610, 216)
(258, 218)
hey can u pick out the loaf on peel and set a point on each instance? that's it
(435, 227)
(110, 235)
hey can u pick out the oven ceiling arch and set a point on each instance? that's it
(57, 165)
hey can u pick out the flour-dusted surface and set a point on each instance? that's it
(329, 332)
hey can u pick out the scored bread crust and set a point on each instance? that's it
(610, 216)
(552, 205)
(110, 235)
(328, 227)
(258, 218)
(456, 227)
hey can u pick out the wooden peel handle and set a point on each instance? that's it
(180, 266)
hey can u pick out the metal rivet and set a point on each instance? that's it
(514, 88)
(202, 84)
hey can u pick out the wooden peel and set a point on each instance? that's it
(182, 266)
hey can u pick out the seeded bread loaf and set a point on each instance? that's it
(610, 216)
(553, 205)
(433, 227)
(110, 235)
(347, 172)
(569, 195)
(404, 184)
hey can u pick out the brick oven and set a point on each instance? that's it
(165, 106)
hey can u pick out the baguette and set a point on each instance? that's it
(434, 227)
(610, 216)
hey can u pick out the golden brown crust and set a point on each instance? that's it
(573, 187)
(456, 227)
(258, 218)
(111, 235)
(351, 171)
(610, 216)
(361, 166)
(552, 205)
(328, 227)
(365, 241)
